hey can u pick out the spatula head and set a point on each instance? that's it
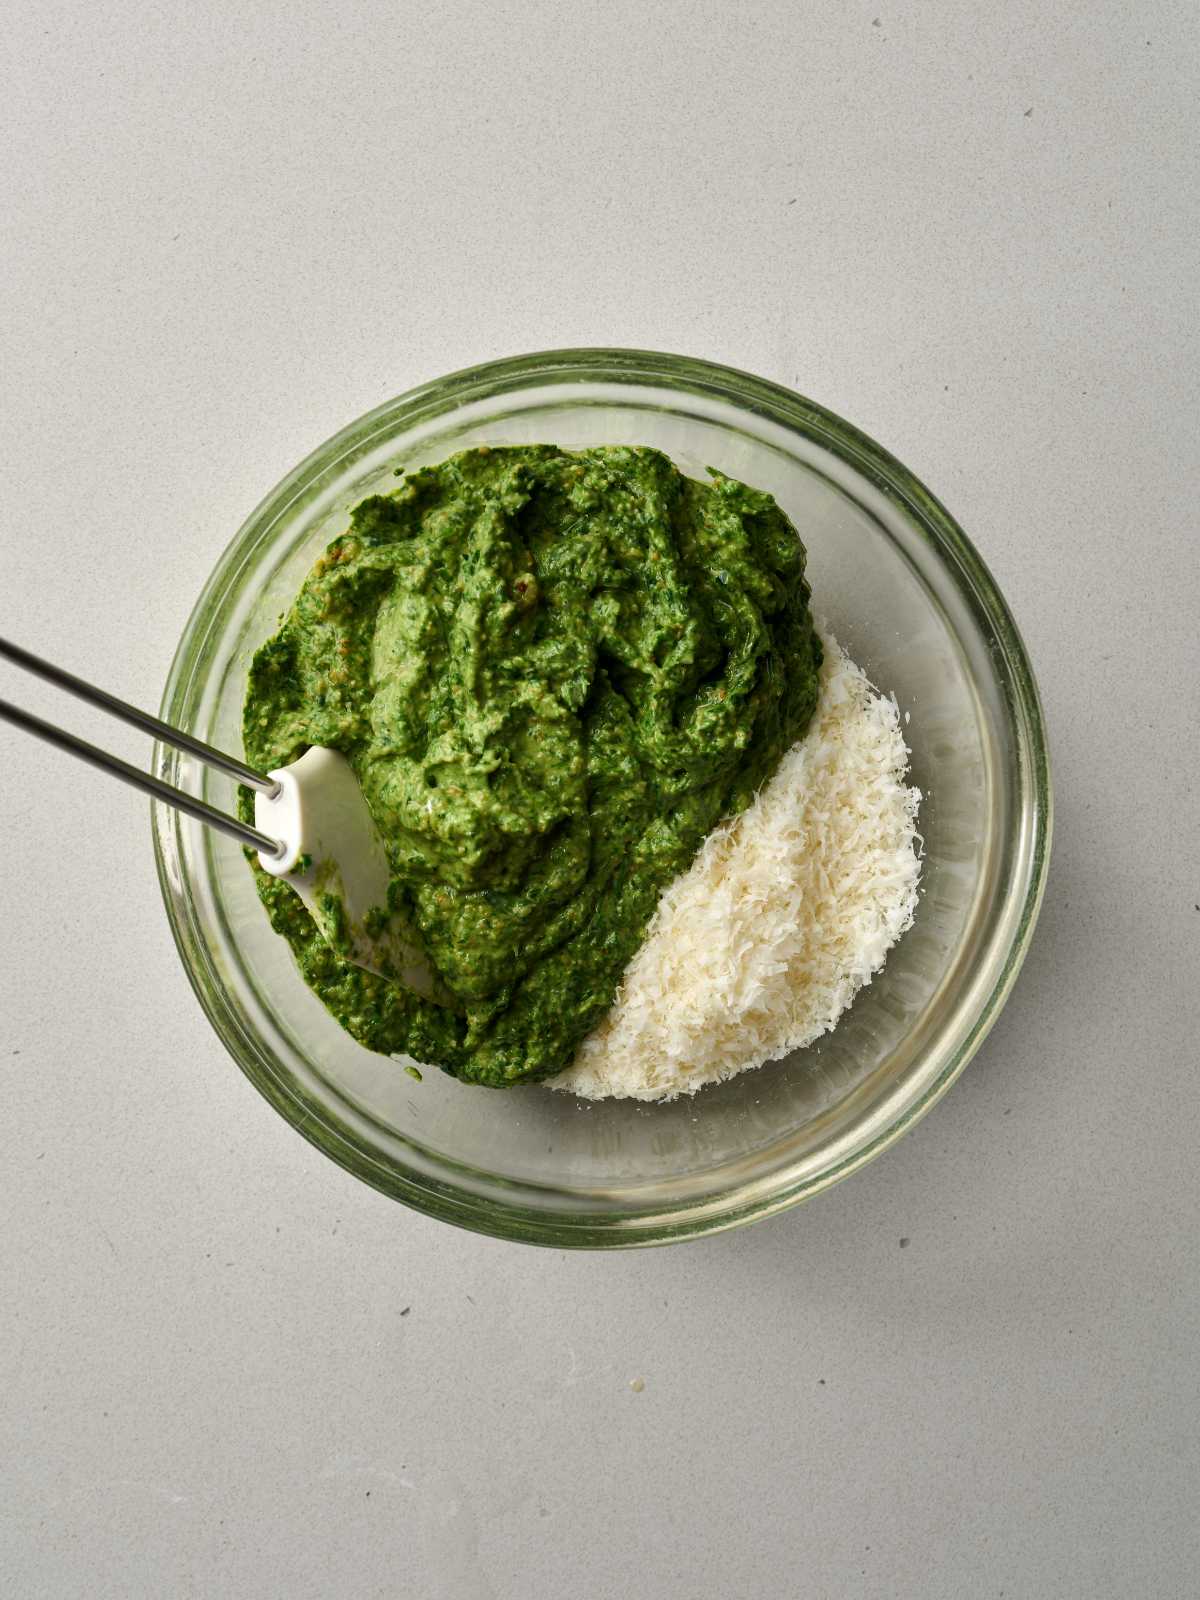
(335, 860)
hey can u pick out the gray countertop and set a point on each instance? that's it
(226, 1367)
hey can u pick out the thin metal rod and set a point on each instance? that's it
(145, 781)
(139, 719)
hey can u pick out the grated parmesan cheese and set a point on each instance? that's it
(787, 910)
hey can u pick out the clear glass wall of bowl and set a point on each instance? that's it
(902, 589)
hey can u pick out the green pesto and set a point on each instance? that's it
(553, 673)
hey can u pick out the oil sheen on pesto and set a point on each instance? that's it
(553, 673)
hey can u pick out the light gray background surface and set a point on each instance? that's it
(226, 1368)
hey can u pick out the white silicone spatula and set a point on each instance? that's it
(312, 829)
(335, 860)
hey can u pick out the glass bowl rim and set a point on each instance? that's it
(797, 414)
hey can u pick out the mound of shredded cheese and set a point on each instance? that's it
(787, 910)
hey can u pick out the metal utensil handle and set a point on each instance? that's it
(139, 719)
(145, 781)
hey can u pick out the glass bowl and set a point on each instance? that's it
(903, 590)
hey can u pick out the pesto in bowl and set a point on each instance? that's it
(553, 673)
